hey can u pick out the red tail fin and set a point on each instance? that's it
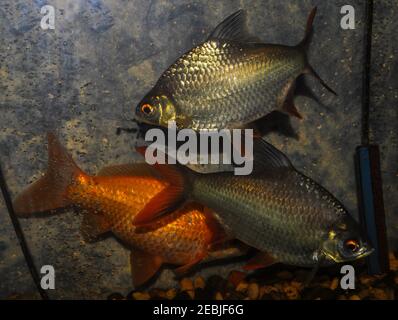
(49, 192)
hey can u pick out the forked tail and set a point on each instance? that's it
(49, 192)
(308, 69)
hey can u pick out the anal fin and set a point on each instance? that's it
(143, 266)
(285, 100)
(260, 260)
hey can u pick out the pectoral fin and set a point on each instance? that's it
(143, 266)
(166, 200)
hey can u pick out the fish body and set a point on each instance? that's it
(178, 238)
(110, 201)
(276, 210)
(286, 215)
(229, 81)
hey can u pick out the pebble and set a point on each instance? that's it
(366, 280)
(218, 296)
(235, 277)
(291, 292)
(364, 293)
(116, 296)
(215, 283)
(157, 293)
(393, 262)
(253, 291)
(201, 294)
(182, 295)
(283, 285)
(186, 284)
(171, 293)
(334, 284)
(141, 296)
(318, 293)
(242, 286)
(199, 282)
(269, 289)
(235, 295)
(379, 294)
(277, 296)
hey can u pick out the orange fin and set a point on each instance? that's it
(143, 266)
(260, 260)
(49, 192)
(219, 235)
(93, 225)
(165, 201)
(185, 268)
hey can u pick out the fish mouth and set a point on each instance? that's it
(363, 252)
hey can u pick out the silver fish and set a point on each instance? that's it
(276, 210)
(229, 81)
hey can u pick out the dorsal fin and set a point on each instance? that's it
(233, 28)
(129, 169)
(267, 157)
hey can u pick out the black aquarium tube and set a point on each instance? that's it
(21, 237)
(368, 172)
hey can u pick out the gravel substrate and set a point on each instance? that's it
(280, 283)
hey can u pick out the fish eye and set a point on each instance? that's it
(351, 245)
(147, 109)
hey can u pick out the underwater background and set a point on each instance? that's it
(84, 78)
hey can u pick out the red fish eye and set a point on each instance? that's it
(351, 245)
(147, 109)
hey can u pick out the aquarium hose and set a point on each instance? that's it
(21, 237)
(368, 172)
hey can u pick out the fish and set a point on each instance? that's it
(229, 81)
(285, 215)
(110, 200)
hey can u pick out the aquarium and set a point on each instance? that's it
(114, 185)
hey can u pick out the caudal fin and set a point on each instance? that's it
(308, 29)
(304, 45)
(49, 192)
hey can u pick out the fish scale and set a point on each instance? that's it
(239, 90)
(119, 198)
(267, 215)
(229, 81)
(276, 209)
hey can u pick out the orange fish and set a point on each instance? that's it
(111, 200)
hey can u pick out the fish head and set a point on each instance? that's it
(345, 242)
(156, 109)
